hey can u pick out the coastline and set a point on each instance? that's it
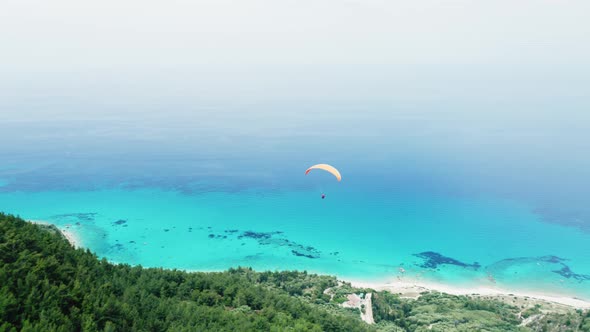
(410, 288)
(72, 237)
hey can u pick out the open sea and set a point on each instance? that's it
(464, 191)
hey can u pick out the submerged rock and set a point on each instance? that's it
(433, 259)
(297, 253)
(84, 216)
(566, 272)
(256, 235)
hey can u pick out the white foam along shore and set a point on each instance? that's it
(413, 288)
(69, 234)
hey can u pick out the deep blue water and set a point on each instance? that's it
(454, 188)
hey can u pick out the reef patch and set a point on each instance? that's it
(432, 260)
(550, 263)
(80, 216)
(297, 253)
(274, 238)
(566, 272)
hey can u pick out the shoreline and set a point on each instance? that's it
(410, 288)
(72, 237)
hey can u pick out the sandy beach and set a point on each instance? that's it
(72, 237)
(67, 232)
(412, 289)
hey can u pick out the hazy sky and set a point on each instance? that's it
(260, 50)
(49, 35)
(497, 89)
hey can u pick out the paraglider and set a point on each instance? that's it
(327, 168)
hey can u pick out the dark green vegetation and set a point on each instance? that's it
(443, 312)
(46, 285)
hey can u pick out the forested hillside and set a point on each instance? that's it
(47, 285)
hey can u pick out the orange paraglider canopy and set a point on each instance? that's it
(326, 168)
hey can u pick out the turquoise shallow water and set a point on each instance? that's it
(354, 234)
(451, 198)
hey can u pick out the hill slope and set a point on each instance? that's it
(47, 285)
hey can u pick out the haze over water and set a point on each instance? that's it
(467, 167)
